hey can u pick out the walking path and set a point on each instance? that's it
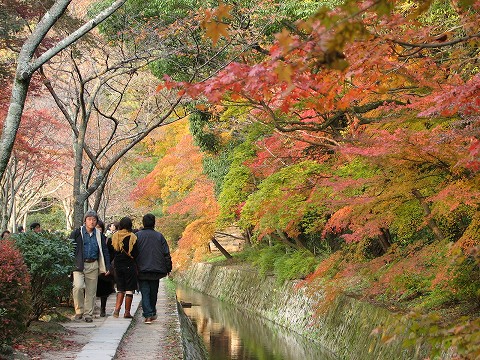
(107, 334)
(119, 338)
(160, 340)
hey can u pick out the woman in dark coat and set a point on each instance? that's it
(105, 282)
(124, 244)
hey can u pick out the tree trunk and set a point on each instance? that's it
(12, 121)
(248, 237)
(221, 248)
(99, 193)
(67, 204)
(384, 239)
(297, 245)
(283, 240)
(432, 224)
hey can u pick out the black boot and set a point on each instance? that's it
(103, 306)
(128, 306)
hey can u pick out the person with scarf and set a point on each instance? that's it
(124, 244)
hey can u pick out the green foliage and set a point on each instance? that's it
(312, 221)
(177, 67)
(414, 284)
(441, 14)
(170, 286)
(15, 300)
(237, 184)
(139, 169)
(466, 281)
(296, 265)
(217, 167)
(407, 222)
(318, 245)
(304, 9)
(136, 13)
(287, 12)
(453, 223)
(264, 258)
(201, 130)
(284, 264)
(51, 218)
(169, 10)
(235, 190)
(355, 169)
(172, 227)
(281, 199)
(50, 260)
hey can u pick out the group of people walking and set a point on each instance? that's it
(137, 261)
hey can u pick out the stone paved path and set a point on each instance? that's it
(160, 340)
(110, 338)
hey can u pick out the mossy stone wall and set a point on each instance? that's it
(344, 327)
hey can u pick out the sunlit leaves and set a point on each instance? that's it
(214, 24)
(177, 186)
(282, 199)
(162, 186)
(238, 183)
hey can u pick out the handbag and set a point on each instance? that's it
(131, 257)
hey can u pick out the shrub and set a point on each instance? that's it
(285, 264)
(15, 299)
(50, 259)
(266, 257)
(296, 265)
(465, 282)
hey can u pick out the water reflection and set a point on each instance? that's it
(229, 333)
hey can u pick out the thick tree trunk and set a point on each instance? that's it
(79, 197)
(432, 224)
(384, 239)
(298, 244)
(12, 121)
(99, 193)
(283, 240)
(248, 238)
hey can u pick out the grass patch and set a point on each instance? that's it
(282, 262)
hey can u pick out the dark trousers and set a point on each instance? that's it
(149, 290)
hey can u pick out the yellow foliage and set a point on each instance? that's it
(470, 240)
(284, 72)
(285, 39)
(214, 25)
(194, 243)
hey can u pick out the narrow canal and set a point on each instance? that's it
(230, 333)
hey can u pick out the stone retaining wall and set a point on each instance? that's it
(345, 327)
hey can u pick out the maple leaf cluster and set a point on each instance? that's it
(372, 84)
(370, 128)
(370, 142)
(184, 194)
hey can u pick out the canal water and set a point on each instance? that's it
(230, 333)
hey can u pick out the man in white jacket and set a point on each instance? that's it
(91, 258)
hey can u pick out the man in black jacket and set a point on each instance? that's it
(153, 262)
(91, 258)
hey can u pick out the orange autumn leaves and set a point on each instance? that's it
(214, 24)
(178, 187)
